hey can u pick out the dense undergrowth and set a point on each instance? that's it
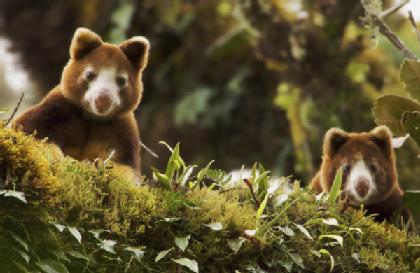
(62, 215)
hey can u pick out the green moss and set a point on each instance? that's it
(103, 196)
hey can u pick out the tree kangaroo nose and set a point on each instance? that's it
(103, 102)
(362, 187)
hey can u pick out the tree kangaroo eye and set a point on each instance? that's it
(373, 167)
(346, 169)
(90, 75)
(121, 81)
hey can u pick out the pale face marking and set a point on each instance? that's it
(103, 83)
(360, 172)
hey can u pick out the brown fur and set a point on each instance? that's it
(375, 148)
(62, 116)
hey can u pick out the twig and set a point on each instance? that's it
(387, 32)
(148, 149)
(110, 156)
(394, 9)
(15, 110)
(413, 23)
(248, 183)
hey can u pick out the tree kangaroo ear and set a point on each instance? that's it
(83, 42)
(137, 51)
(382, 137)
(333, 140)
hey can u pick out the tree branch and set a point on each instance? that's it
(394, 9)
(413, 23)
(148, 149)
(387, 32)
(15, 110)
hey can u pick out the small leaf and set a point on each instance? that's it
(76, 234)
(297, 259)
(77, 255)
(410, 75)
(288, 231)
(262, 207)
(356, 257)
(186, 175)
(108, 245)
(171, 219)
(336, 187)
(60, 228)
(22, 254)
(162, 255)
(336, 238)
(304, 231)
(3, 110)
(326, 252)
(236, 244)
(411, 123)
(398, 142)
(20, 241)
(330, 221)
(97, 232)
(359, 230)
(15, 194)
(389, 109)
(190, 264)
(215, 226)
(250, 232)
(278, 200)
(182, 242)
(50, 266)
(137, 251)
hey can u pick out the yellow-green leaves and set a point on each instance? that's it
(336, 187)
(410, 75)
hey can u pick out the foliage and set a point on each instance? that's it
(226, 72)
(91, 217)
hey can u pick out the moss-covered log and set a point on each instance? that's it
(71, 216)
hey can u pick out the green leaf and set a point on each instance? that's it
(76, 234)
(215, 226)
(411, 123)
(15, 194)
(78, 255)
(174, 163)
(137, 251)
(410, 75)
(411, 201)
(297, 259)
(186, 175)
(190, 264)
(336, 238)
(20, 241)
(288, 231)
(326, 252)
(389, 109)
(163, 180)
(60, 227)
(3, 110)
(336, 187)
(235, 244)
(304, 231)
(50, 266)
(22, 254)
(262, 207)
(182, 242)
(330, 221)
(108, 245)
(162, 255)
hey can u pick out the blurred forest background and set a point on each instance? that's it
(237, 81)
